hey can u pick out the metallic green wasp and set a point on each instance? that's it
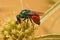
(29, 14)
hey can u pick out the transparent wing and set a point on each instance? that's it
(36, 13)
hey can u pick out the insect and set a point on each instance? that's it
(29, 14)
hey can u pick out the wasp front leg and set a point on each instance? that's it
(18, 19)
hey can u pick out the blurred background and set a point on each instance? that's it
(10, 8)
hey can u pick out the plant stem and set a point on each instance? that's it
(49, 13)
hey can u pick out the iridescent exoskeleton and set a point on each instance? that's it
(35, 16)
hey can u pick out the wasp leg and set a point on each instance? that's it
(26, 27)
(31, 20)
(18, 19)
(24, 19)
